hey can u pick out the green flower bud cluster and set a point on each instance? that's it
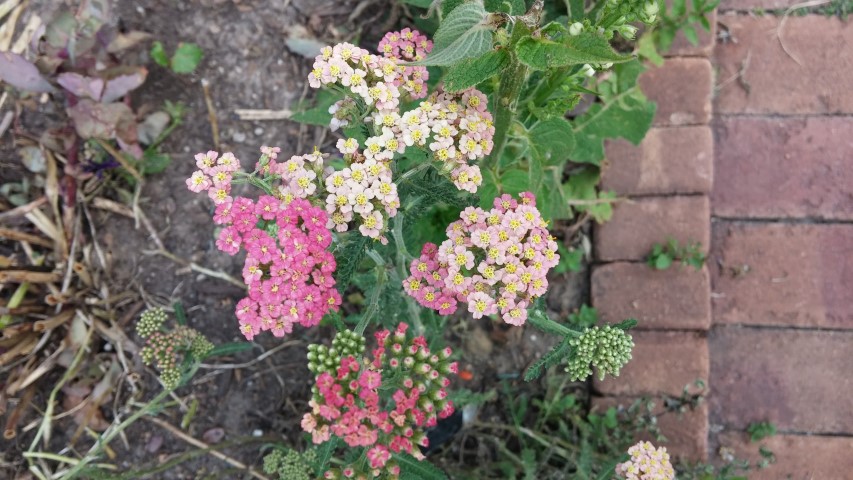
(633, 11)
(324, 359)
(608, 349)
(150, 321)
(291, 465)
(167, 349)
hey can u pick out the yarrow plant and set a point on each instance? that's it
(346, 401)
(646, 463)
(491, 140)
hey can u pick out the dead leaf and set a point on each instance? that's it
(124, 41)
(21, 74)
(81, 86)
(99, 120)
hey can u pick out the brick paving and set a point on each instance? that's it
(751, 154)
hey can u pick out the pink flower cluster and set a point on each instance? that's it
(494, 261)
(409, 46)
(457, 128)
(364, 190)
(287, 269)
(214, 175)
(376, 80)
(646, 463)
(347, 402)
(299, 175)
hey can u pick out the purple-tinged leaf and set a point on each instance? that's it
(21, 74)
(119, 86)
(81, 86)
(99, 120)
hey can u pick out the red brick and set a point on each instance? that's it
(668, 160)
(682, 90)
(783, 275)
(681, 47)
(677, 298)
(796, 379)
(797, 456)
(784, 167)
(638, 225)
(751, 5)
(813, 76)
(662, 363)
(686, 433)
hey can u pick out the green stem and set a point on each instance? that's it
(108, 436)
(403, 260)
(373, 305)
(14, 302)
(506, 107)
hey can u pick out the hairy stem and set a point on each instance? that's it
(506, 107)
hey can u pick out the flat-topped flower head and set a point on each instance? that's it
(347, 401)
(646, 463)
(496, 261)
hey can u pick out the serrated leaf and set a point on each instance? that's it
(488, 190)
(414, 469)
(153, 162)
(514, 181)
(324, 454)
(469, 74)
(21, 74)
(463, 34)
(552, 141)
(457, 23)
(544, 54)
(348, 256)
(625, 113)
(186, 58)
(552, 200)
(551, 358)
(159, 55)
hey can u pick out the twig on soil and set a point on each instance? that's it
(4, 124)
(258, 115)
(23, 209)
(211, 113)
(194, 266)
(260, 358)
(199, 444)
(12, 420)
(24, 237)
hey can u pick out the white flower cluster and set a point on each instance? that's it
(363, 189)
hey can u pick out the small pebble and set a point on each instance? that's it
(239, 137)
(257, 432)
(259, 131)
